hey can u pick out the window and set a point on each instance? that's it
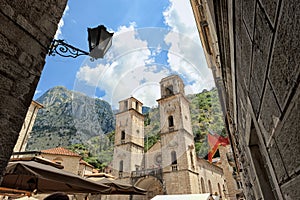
(174, 158)
(202, 186)
(192, 159)
(219, 188)
(122, 137)
(171, 121)
(209, 187)
(121, 168)
(136, 106)
(169, 90)
(125, 105)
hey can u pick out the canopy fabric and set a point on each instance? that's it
(121, 187)
(31, 175)
(205, 196)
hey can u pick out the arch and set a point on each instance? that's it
(171, 121)
(209, 187)
(151, 184)
(202, 186)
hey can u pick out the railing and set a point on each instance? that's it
(174, 167)
(156, 172)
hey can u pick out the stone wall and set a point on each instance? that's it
(257, 73)
(70, 163)
(211, 178)
(26, 31)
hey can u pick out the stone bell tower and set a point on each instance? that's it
(177, 140)
(129, 138)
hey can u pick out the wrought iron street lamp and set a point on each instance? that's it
(99, 39)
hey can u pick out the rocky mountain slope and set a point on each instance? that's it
(69, 118)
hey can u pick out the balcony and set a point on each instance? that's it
(174, 168)
(156, 172)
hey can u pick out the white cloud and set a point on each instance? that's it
(123, 70)
(131, 67)
(186, 54)
(61, 24)
(37, 92)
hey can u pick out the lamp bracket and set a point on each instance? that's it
(65, 50)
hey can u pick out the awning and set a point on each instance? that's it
(121, 187)
(34, 176)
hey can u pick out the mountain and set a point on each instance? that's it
(69, 118)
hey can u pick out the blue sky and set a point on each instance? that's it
(152, 39)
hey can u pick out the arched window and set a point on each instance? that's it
(169, 90)
(171, 121)
(174, 158)
(121, 168)
(202, 186)
(219, 188)
(123, 135)
(192, 159)
(209, 187)
(125, 105)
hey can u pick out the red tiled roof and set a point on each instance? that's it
(60, 151)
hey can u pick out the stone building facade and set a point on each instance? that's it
(26, 31)
(27, 126)
(64, 157)
(170, 166)
(253, 50)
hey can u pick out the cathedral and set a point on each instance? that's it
(170, 166)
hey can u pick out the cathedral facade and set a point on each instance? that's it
(170, 166)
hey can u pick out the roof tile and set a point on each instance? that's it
(60, 151)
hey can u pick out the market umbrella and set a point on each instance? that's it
(42, 178)
(121, 187)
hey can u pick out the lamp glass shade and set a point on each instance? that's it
(100, 40)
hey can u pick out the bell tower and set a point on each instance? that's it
(129, 138)
(177, 140)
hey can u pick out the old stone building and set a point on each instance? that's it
(26, 31)
(171, 165)
(253, 50)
